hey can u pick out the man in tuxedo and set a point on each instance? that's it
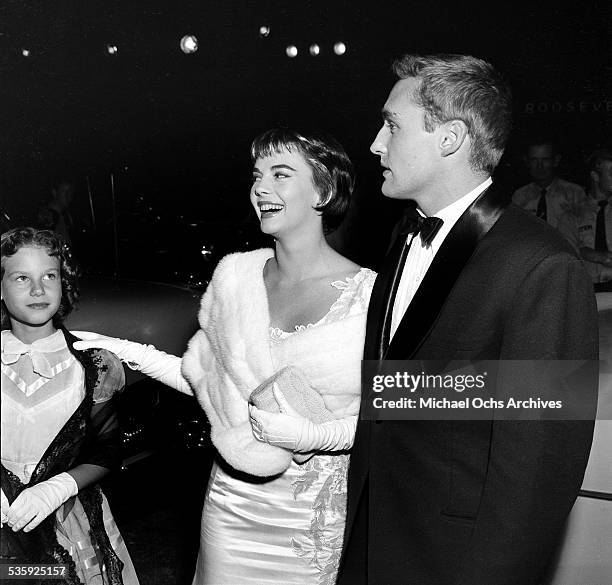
(435, 502)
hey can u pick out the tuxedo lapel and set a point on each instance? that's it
(378, 309)
(456, 250)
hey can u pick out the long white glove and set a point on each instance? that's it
(290, 430)
(4, 506)
(35, 503)
(159, 365)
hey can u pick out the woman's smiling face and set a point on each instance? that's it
(283, 193)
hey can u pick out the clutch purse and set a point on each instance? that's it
(297, 391)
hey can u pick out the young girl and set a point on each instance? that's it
(60, 434)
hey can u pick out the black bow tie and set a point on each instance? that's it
(414, 223)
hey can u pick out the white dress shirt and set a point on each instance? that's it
(561, 197)
(580, 226)
(420, 257)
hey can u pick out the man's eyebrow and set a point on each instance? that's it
(388, 115)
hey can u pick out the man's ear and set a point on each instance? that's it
(594, 177)
(452, 137)
(557, 159)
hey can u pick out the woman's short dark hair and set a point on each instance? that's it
(55, 245)
(332, 170)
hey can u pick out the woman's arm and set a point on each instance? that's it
(161, 366)
(292, 431)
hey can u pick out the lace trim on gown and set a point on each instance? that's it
(321, 545)
(350, 301)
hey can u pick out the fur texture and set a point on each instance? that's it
(230, 356)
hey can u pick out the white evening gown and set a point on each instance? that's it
(288, 529)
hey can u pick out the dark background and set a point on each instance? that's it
(174, 132)
(175, 129)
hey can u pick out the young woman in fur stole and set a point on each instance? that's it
(275, 504)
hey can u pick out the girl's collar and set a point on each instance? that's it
(49, 344)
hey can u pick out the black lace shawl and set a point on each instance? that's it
(90, 435)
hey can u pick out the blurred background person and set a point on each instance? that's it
(548, 196)
(589, 227)
(55, 214)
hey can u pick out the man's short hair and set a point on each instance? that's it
(542, 139)
(461, 87)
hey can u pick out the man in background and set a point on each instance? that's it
(547, 196)
(55, 214)
(589, 227)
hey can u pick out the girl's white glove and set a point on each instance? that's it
(290, 430)
(35, 503)
(4, 506)
(161, 366)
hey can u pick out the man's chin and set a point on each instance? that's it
(544, 179)
(391, 193)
